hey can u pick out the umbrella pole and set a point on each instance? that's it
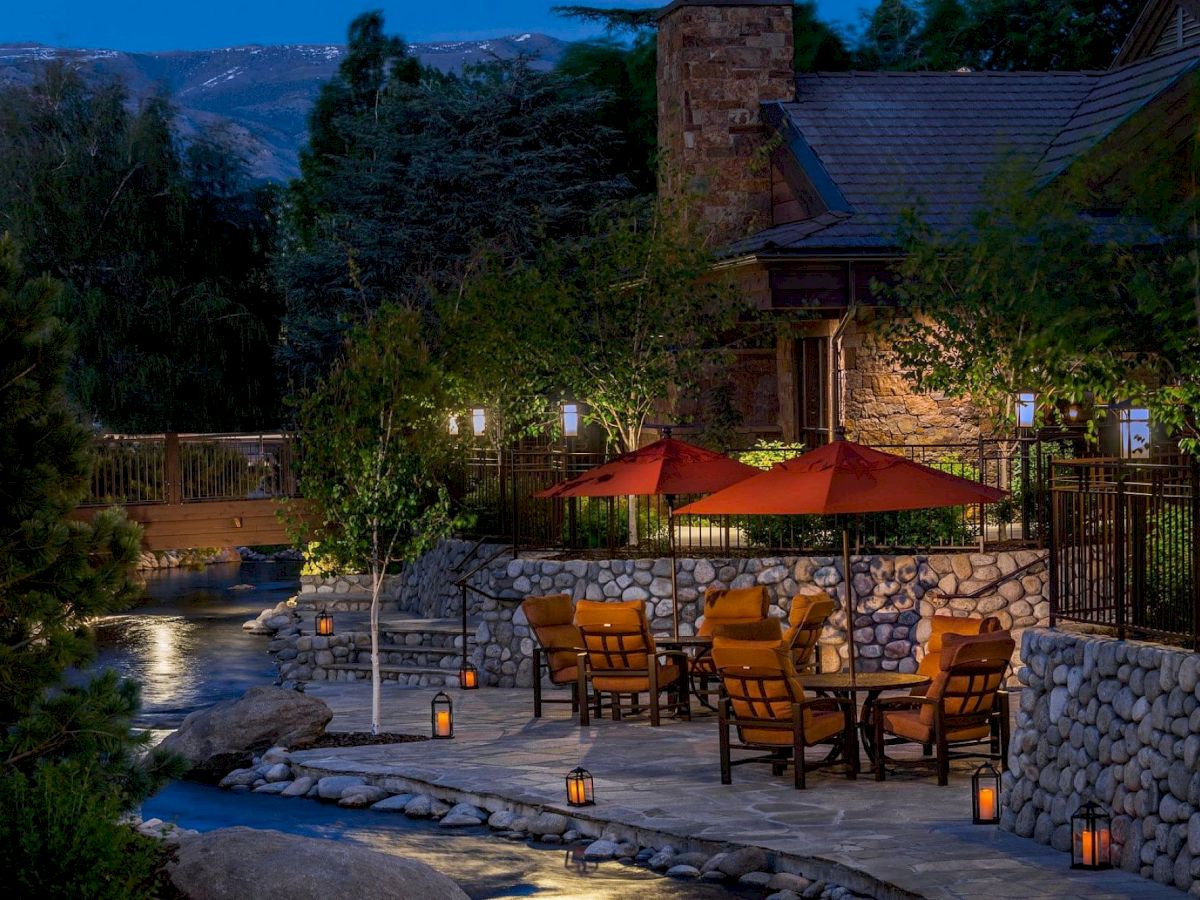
(850, 604)
(671, 544)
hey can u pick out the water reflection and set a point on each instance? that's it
(184, 642)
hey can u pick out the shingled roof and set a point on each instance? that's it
(884, 142)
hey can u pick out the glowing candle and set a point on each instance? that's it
(575, 794)
(1088, 852)
(987, 803)
(443, 722)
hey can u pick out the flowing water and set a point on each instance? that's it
(185, 645)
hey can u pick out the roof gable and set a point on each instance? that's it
(1164, 27)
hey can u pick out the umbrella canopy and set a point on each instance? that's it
(844, 477)
(668, 467)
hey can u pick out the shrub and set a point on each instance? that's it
(60, 829)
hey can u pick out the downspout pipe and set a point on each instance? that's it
(837, 425)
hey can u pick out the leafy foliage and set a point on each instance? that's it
(162, 253)
(1084, 291)
(412, 171)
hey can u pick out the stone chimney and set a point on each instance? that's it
(717, 61)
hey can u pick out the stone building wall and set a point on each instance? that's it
(717, 61)
(1118, 722)
(894, 594)
(882, 406)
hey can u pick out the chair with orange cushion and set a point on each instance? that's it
(930, 663)
(559, 646)
(620, 659)
(806, 621)
(763, 699)
(738, 611)
(957, 708)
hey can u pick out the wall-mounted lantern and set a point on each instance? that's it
(1026, 409)
(570, 419)
(478, 421)
(1133, 424)
(452, 424)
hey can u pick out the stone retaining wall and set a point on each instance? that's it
(894, 594)
(1119, 722)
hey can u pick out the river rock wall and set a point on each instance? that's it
(894, 597)
(1118, 722)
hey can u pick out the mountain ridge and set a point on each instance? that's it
(259, 95)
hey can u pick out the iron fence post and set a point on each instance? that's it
(1052, 554)
(1118, 547)
(1195, 548)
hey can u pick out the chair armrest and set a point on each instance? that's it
(575, 650)
(679, 654)
(831, 704)
(888, 703)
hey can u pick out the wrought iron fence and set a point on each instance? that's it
(498, 488)
(174, 468)
(1124, 547)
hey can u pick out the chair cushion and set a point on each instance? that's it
(724, 605)
(633, 684)
(807, 615)
(817, 727)
(810, 607)
(624, 615)
(907, 723)
(566, 675)
(555, 609)
(972, 670)
(561, 636)
(930, 664)
(769, 629)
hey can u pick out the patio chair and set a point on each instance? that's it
(763, 699)
(955, 711)
(558, 647)
(930, 663)
(735, 612)
(621, 660)
(806, 621)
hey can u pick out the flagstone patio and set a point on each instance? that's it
(904, 837)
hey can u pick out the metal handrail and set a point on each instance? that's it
(463, 586)
(995, 583)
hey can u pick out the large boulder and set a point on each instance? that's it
(262, 717)
(236, 863)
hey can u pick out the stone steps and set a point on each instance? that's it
(426, 626)
(408, 675)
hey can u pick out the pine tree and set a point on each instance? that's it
(63, 748)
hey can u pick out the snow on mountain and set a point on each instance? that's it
(259, 95)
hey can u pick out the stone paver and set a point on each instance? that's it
(906, 833)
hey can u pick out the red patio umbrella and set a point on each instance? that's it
(844, 477)
(665, 468)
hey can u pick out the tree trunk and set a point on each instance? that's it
(376, 590)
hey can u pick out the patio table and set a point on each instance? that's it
(872, 684)
(695, 646)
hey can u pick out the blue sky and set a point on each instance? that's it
(185, 25)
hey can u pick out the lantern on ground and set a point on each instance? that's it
(442, 716)
(324, 624)
(1026, 409)
(570, 420)
(985, 795)
(452, 424)
(468, 677)
(478, 421)
(1091, 837)
(580, 791)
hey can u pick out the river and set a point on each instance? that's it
(185, 645)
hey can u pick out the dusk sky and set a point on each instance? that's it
(154, 25)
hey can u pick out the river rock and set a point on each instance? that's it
(332, 787)
(602, 850)
(394, 803)
(683, 872)
(299, 787)
(361, 796)
(261, 718)
(273, 787)
(463, 814)
(235, 863)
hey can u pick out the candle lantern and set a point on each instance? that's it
(324, 624)
(580, 790)
(1091, 837)
(442, 714)
(468, 677)
(985, 795)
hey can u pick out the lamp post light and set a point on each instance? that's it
(442, 716)
(1133, 424)
(468, 677)
(1026, 409)
(452, 424)
(570, 419)
(478, 421)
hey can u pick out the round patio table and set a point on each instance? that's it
(870, 683)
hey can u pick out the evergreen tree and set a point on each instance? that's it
(63, 748)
